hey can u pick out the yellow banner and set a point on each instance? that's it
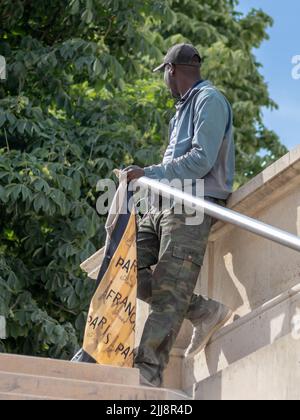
(110, 331)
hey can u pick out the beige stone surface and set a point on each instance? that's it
(262, 327)
(68, 370)
(25, 397)
(272, 373)
(12, 383)
(245, 270)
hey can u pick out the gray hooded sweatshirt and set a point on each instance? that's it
(201, 144)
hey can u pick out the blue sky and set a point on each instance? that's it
(276, 57)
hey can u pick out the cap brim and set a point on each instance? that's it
(159, 68)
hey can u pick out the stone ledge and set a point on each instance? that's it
(12, 383)
(258, 329)
(272, 373)
(62, 369)
(25, 397)
(262, 310)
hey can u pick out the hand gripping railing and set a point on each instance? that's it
(224, 214)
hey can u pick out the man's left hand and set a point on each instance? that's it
(133, 172)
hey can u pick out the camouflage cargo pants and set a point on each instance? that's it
(178, 249)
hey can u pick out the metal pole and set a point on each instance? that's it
(224, 214)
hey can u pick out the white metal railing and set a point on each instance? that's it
(221, 213)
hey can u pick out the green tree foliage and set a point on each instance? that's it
(80, 100)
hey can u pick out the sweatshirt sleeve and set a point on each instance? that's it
(210, 122)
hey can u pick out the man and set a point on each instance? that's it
(201, 147)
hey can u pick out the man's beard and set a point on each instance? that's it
(176, 95)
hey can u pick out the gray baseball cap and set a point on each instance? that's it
(180, 54)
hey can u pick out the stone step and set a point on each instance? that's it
(67, 370)
(262, 327)
(13, 383)
(25, 397)
(272, 373)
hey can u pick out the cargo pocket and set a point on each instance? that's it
(190, 266)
